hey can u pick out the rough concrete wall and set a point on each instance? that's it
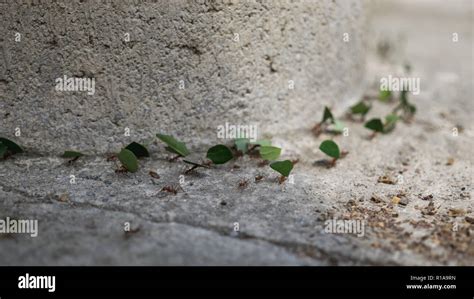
(137, 82)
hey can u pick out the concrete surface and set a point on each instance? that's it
(138, 83)
(82, 223)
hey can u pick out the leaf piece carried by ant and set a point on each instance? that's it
(128, 160)
(72, 154)
(12, 147)
(219, 154)
(174, 145)
(360, 108)
(3, 150)
(241, 144)
(282, 167)
(138, 150)
(375, 125)
(330, 148)
(270, 153)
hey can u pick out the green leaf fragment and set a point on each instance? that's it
(11, 146)
(375, 124)
(174, 145)
(128, 160)
(270, 153)
(384, 95)
(327, 115)
(262, 142)
(72, 154)
(3, 150)
(283, 167)
(138, 150)
(330, 148)
(241, 144)
(360, 108)
(219, 154)
(390, 121)
(338, 127)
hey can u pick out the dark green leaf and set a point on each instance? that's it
(174, 145)
(12, 146)
(3, 150)
(327, 115)
(270, 153)
(138, 150)
(360, 108)
(330, 148)
(128, 159)
(219, 154)
(283, 167)
(72, 154)
(374, 124)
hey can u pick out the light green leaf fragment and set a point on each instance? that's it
(390, 121)
(270, 153)
(338, 126)
(174, 145)
(262, 142)
(385, 95)
(241, 144)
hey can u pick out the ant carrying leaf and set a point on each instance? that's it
(331, 149)
(328, 124)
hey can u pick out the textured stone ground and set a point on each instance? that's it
(82, 224)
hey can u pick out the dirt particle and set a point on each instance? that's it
(450, 161)
(396, 200)
(386, 180)
(376, 199)
(63, 197)
(456, 212)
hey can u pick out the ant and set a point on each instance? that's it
(170, 189)
(281, 179)
(111, 157)
(121, 169)
(258, 178)
(243, 184)
(153, 174)
(71, 162)
(130, 232)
